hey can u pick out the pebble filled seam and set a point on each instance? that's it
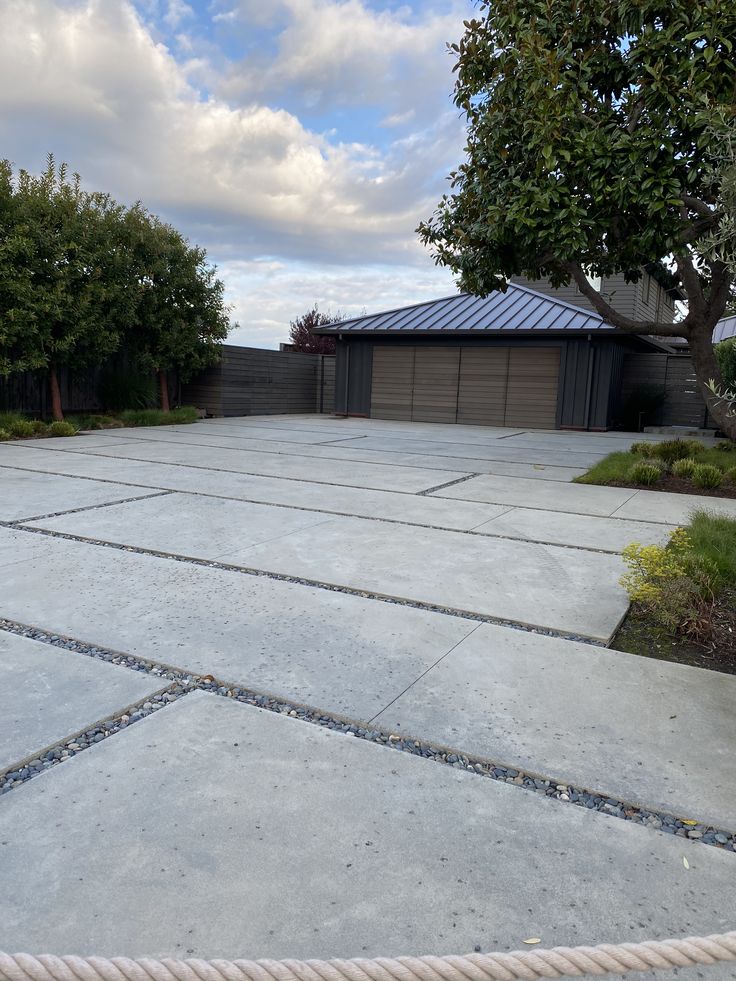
(182, 683)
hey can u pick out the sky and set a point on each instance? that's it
(299, 141)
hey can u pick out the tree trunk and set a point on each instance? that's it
(706, 368)
(56, 410)
(163, 384)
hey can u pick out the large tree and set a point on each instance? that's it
(181, 318)
(593, 136)
(62, 288)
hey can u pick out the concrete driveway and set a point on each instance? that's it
(198, 622)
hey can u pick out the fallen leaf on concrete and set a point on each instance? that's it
(532, 940)
(685, 862)
(690, 823)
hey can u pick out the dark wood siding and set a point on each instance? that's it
(393, 382)
(674, 373)
(482, 392)
(434, 397)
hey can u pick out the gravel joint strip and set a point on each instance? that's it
(88, 507)
(301, 581)
(183, 682)
(448, 483)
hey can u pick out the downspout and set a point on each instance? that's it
(589, 384)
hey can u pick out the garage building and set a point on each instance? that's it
(522, 359)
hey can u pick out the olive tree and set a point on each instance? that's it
(594, 130)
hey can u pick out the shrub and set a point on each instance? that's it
(675, 583)
(62, 429)
(684, 468)
(39, 427)
(156, 417)
(4, 434)
(645, 473)
(730, 475)
(121, 388)
(21, 428)
(677, 449)
(644, 449)
(707, 476)
(725, 445)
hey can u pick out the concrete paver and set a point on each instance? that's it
(580, 530)
(341, 653)
(675, 508)
(47, 694)
(25, 495)
(521, 492)
(491, 576)
(358, 501)
(353, 474)
(649, 732)
(253, 835)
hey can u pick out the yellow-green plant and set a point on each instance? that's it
(670, 581)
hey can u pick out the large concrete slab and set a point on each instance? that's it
(544, 495)
(201, 527)
(25, 495)
(413, 509)
(675, 508)
(16, 547)
(581, 530)
(214, 829)
(650, 732)
(352, 474)
(537, 585)
(493, 450)
(48, 694)
(341, 653)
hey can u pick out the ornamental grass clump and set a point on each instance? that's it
(684, 468)
(707, 476)
(21, 428)
(62, 429)
(644, 449)
(4, 434)
(677, 449)
(645, 472)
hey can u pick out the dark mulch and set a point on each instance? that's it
(678, 485)
(640, 634)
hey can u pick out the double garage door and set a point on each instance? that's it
(483, 386)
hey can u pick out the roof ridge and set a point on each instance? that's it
(561, 303)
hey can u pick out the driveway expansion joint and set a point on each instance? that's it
(313, 583)
(183, 682)
(89, 507)
(448, 483)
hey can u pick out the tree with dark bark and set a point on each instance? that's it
(63, 299)
(594, 131)
(302, 336)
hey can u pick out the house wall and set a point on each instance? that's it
(252, 381)
(675, 376)
(643, 300)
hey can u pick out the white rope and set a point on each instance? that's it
(520, 965)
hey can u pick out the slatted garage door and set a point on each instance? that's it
(485, 386)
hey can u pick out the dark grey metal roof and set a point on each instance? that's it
(724, 328)
(518, 309)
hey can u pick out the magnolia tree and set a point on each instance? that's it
(595, 144)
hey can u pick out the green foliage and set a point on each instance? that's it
(587, 124)
(714, 541)
(726, 356)
(155, 417)
(670, 450)
(707, 476)
(62, 429)
(4, 434)
(81, 275)
(123, 388)
(39, 427)
(645, 472)
(644, 449)
(684, 467)
(730, 475)
(94, 421)
(726, 446)
(21, 429)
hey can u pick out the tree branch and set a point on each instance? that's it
(615, 317)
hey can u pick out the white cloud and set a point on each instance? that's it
(88, 80)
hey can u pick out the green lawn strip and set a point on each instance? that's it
(620, 469)
(13, 425)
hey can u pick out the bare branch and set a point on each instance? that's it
(699, 207)
(615, 317)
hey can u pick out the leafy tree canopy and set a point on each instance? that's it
(591, 133)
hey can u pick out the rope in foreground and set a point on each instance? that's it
(522, 965)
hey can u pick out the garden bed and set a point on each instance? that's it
(15, 426)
